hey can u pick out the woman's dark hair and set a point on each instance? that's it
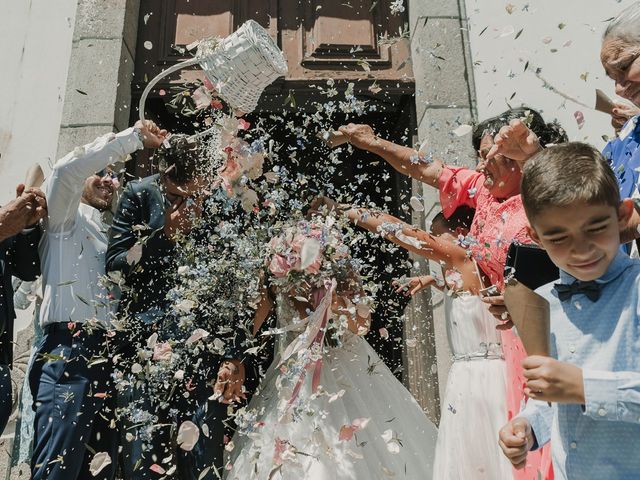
(179, 158)
(548, 133)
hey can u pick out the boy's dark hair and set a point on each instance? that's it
(460, 218)
(562, 175)
(546, 132)
(179, 158)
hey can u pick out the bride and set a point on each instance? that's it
(328, 408)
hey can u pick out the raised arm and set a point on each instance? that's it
(65, 185)
(63, 188)
(404, 159)
(415, 240)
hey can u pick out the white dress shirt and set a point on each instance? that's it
(74, 241)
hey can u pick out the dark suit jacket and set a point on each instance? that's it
(140, 214)
(143, 206)
(19, 258)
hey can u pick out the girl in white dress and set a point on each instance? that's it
(328, 408)
(474, 406)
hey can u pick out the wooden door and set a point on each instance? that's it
(349, 41)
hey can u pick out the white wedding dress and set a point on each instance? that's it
(360, 424)
(474, 406)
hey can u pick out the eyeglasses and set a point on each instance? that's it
(107, 173)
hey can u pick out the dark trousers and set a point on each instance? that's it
(142, 446)
(6, 397)
(72, 394)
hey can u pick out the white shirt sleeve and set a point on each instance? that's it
(63, 189)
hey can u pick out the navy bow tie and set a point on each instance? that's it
(590, 289)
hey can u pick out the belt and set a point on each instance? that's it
(56, 328)
(466, 357)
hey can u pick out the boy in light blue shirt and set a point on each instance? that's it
(572, 201)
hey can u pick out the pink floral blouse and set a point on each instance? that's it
(495, 225)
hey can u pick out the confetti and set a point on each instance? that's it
(99, 462)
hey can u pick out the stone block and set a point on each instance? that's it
(436, 126)
(100, 19)
(130, 32)
(419, 9)
(122, 105)
(72, 137)
(92, 82)
(439, 65)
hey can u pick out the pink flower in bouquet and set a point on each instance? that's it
(162, 351)
(252, 165)
(228, 131)
(201, 98)
(315, 266)
(297, 242)
(208, 85)
(230, 172)
(279, 265)
(243, 124)
(216, 104)
(283, 451)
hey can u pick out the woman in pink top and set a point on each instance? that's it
(493, 189)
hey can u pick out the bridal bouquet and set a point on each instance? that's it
(309, 260)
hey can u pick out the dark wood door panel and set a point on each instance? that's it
(321, 39)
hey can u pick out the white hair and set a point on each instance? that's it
(626, 25)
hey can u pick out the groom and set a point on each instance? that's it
(142, 246)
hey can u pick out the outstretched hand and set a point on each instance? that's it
(152, 135)
(515, 141)
(360, 136)
(322, 205)
(413, 285)
(230, 381)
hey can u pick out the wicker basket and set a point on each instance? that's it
(241, 66)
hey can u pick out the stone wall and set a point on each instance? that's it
(97, 99)
(98, 93)
(444, 99)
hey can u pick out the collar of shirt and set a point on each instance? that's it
(630, 127)
(619, 264)
(90, 212)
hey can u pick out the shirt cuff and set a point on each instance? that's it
(540, 417)
(129, 141)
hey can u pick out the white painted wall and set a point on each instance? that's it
(499, 58)
(36, 37)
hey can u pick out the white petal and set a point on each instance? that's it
(134, 254)
(462, 130)
(152, 340)
(387, 435)
(416, 204)
(309, 252)
(98, 462)
(188, 435)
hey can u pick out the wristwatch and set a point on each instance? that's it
(138, 133)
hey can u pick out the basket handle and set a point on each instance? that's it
(160, 76)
